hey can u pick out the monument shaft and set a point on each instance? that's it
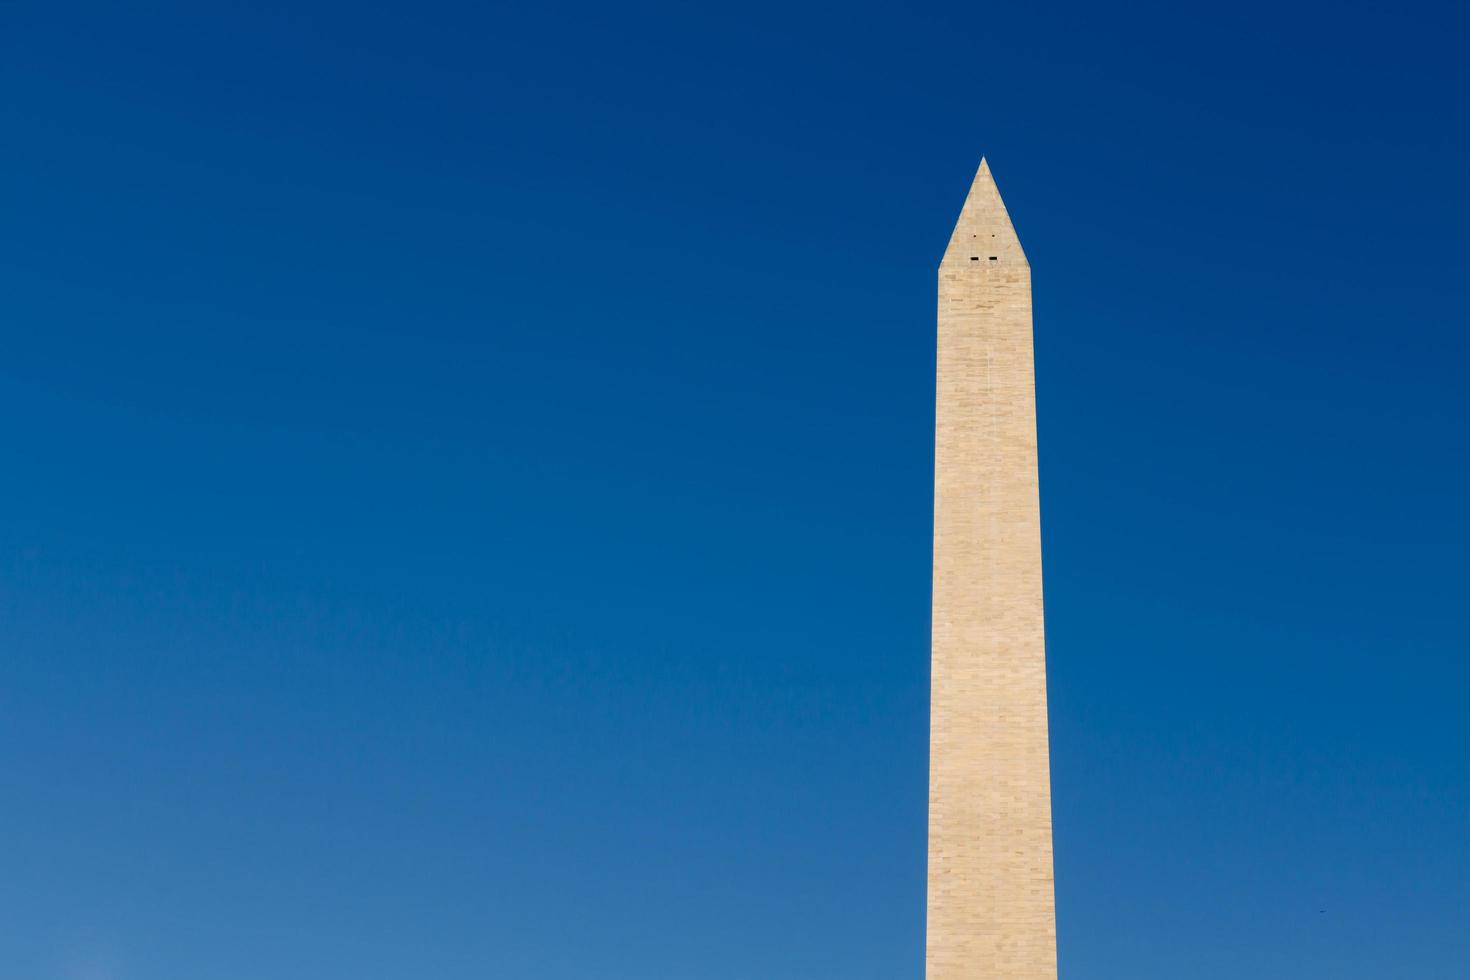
(991, 912)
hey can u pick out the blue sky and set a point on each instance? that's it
(465, 500)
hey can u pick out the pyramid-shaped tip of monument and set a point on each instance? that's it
(984, 233)
(982, 188)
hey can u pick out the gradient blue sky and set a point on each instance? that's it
(465, 492)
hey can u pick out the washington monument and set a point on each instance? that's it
(991, 914)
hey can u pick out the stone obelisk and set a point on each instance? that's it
(991, 913)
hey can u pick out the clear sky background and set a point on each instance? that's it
(465, 483)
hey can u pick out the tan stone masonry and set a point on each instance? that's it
(991, 913)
